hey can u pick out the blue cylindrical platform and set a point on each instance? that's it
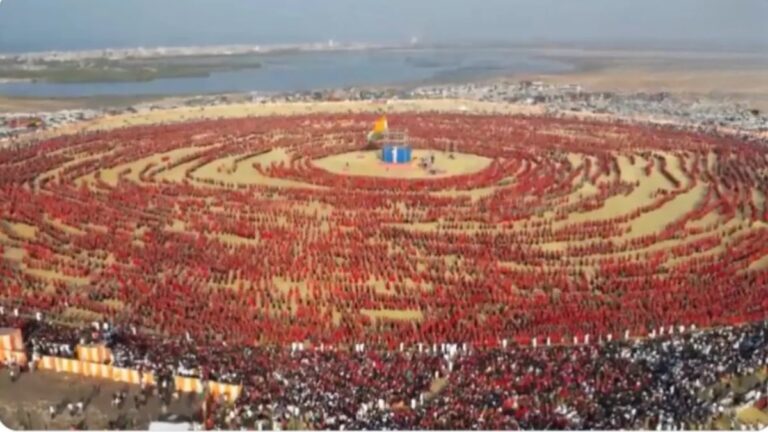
(396, 154)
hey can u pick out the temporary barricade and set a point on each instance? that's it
(188, 385)
(69, 366)
(11, 339)
(97, 353)
(97, 370)
(47, 363)
(20, 357)
(149, 379)
(231, 390)
(128, 376)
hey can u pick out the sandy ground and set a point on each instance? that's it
(750, 87)
(25, 403)
(12, 104)
(297, 108)
(368, 163)
(734, 76)
(15, 104)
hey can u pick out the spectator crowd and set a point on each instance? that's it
(672, 382)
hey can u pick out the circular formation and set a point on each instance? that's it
(283, 229)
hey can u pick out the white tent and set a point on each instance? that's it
(168, 426)
(173, 422)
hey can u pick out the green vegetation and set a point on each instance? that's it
(124, 70)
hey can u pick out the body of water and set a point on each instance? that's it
(317, 70)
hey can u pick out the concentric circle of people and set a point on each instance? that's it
(572, 229)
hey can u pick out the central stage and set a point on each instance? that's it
(369, 163)
(396, 154)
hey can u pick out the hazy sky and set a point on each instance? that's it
(27, 25)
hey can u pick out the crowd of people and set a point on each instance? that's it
(671, 382)
(192, 272)
(327, 261)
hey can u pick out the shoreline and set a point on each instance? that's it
(595, 69)
(545, 49)
(136, 65)
(747, 87)
(182, 51)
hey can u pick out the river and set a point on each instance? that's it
(318, 70)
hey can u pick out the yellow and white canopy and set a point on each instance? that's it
(379, 128)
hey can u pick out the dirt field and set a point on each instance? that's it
(296, 108)
(368, 163)
(14, 104)
(25, 404)
(736, 76)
